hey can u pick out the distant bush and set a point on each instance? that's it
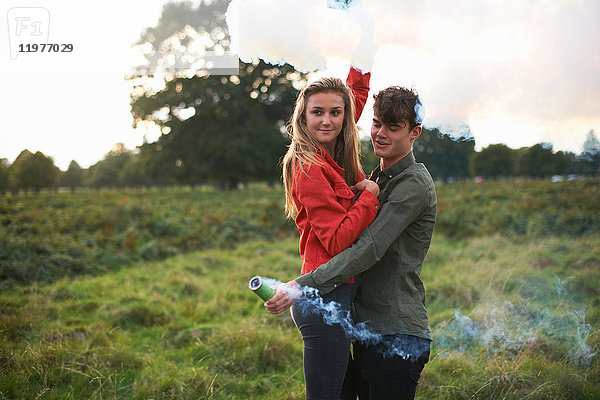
(526, 207)
(49, 235)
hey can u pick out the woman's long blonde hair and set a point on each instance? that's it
(305, 149)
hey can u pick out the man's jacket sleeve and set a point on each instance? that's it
(335, 227)
(405, 204)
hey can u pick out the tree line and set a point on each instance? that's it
(446, 159)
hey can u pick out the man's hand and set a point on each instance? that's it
(285, 295)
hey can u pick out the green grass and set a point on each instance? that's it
(537, 300)
(142, 294)
(188, 327)
(49, 235)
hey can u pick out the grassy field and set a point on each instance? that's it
(49, 235)
(514, 316)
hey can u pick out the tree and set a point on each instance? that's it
(563, 160)
(494, 161)
(107, 172)
(443, 156)
(369, 160)
(135, 171)
(4, 168)
(178, 25)
(540, 161)
(34, 171)
(73, 177)
(590, 157)
(152, 166)
(225, 129)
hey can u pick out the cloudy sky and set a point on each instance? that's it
(515, 72)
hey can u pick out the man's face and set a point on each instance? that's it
(392, 141)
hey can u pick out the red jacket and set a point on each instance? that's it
(329, 219)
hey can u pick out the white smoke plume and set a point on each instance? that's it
(546, 316)
(515, 72)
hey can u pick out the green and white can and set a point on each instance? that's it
(262, 290)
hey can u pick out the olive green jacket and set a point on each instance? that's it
(389, 254)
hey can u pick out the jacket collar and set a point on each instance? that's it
(395, 169)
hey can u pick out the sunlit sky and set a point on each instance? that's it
(516, 73)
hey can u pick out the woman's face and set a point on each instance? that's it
(325, 118)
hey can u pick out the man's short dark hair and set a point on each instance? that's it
(396, 104)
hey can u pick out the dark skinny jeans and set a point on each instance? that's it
(326, 347)
(374, 374)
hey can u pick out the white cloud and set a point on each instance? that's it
(516, 72)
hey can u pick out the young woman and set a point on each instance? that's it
(320, 169)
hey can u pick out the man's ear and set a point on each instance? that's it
(416, 132)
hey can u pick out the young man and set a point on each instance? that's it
(388, 257)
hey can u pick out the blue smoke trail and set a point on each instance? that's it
(310, 301)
